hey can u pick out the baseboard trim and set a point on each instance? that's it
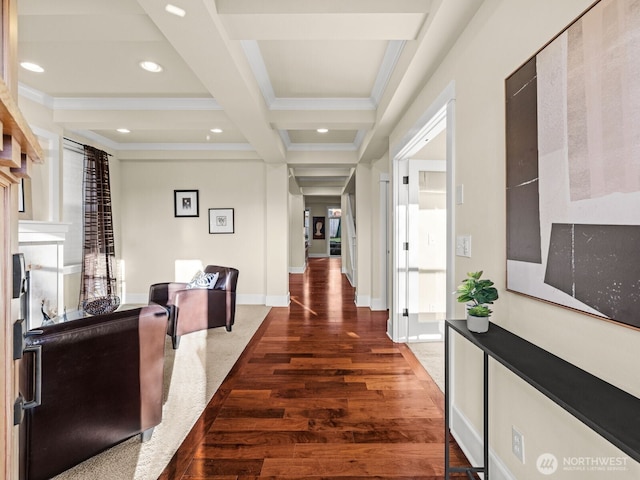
(248, 299)
(136, 298)
(363, 301)
(470, 442)
(378, 304)
(298, 269)
(241, 299)
(277, 300)
(351, 282)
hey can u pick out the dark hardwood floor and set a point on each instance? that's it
(320, 392)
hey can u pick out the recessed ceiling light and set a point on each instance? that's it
(322, 130)
(175, 10)
(123, 130)
(150, 66)
(32, 67)
(216, 130)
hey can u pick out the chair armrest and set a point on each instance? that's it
(164, 293)
(199, 309)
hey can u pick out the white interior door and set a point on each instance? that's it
(427, 250)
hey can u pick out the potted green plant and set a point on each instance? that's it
(477, 293)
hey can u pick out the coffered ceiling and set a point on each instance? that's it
(268, 73)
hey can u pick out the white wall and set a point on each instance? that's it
(364, 235)
(276, 246)
(297, 258)
(503, 35)
(380, 238)
(153, 239)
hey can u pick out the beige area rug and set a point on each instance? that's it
(193, 373)
(431, 356)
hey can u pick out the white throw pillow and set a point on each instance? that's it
(203, 280)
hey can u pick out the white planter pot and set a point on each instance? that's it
(477, 324)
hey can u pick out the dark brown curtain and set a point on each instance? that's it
(98, 258)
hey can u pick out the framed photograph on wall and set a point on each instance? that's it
(318, 228)
(573, 177)
(186, 203)
(221, 220)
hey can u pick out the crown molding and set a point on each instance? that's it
(210, 147)
(391, 57)
(306, 104)
(118, 103)
(174, 147)
(322, 147)
(35, 96)
(136, 104)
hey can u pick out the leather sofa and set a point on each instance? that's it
(101, 382)
(193, 309)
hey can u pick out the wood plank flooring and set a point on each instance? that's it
(320, 392)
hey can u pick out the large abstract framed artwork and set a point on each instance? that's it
(573, 167)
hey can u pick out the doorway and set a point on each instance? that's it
(423, 240)
(335, 231)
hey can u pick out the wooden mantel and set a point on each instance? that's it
(20, 148)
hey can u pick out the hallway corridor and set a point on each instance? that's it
(320, 392)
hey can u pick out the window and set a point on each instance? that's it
(72, 168)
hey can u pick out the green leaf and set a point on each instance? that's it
(476, 290)
(479, 311)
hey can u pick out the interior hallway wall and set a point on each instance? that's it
(364, 235)
(297, 258)
(502, 36)
(380, 237)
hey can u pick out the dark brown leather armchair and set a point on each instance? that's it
(196, 309)
(99, 380)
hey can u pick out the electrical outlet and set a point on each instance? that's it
(517, 444)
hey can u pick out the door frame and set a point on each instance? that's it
(441, 110)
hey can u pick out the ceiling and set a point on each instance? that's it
(268, 73)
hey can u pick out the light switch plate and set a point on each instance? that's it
(459, 194)
(463, 245)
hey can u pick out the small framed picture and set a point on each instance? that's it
(221, 220)
(185, 203)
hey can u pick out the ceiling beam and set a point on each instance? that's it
(325, 6)
(218, 63)
(416, 64)
(299, 158)
(322, 191)
(312, 119)
(321, 171)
